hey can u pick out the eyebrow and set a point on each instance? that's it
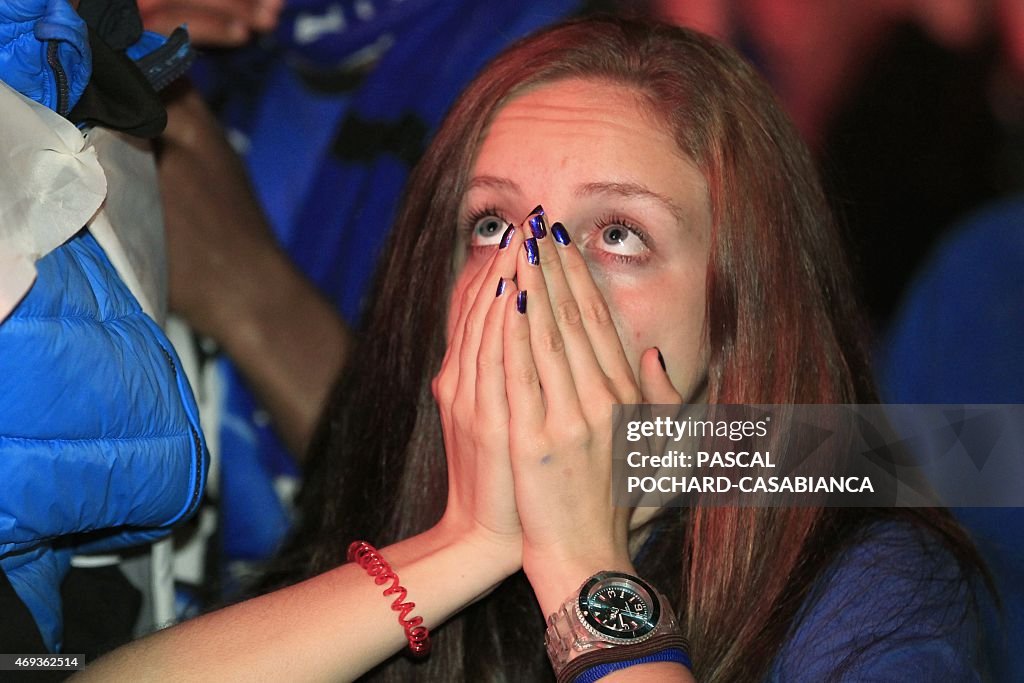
(632, 190)
(493, 182)
(627, 190)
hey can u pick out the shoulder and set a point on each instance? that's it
(894, 606)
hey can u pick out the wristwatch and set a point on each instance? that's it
(611, 609)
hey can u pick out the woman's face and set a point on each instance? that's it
(633, 203)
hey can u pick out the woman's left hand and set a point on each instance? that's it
(565, 367)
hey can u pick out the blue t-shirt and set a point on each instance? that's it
(892, 608)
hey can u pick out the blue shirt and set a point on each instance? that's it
(892, 608)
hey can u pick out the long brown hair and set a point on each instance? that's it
(783, 327)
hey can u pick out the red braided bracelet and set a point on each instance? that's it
(367, 557)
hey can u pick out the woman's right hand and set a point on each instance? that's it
(566, 367)
(470, 393)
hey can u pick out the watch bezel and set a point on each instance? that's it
(635, 584)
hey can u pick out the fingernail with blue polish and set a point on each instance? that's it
(560, 234)
(537, 226)
(539, 210)
(521, 302)
(506, 238)
(532, 253)
(501, 287)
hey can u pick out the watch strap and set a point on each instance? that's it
(622, 656)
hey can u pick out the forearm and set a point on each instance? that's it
(335, 626)
(288, 342)
(231, 280)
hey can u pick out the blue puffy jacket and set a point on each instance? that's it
(44, 51)
(100, 444)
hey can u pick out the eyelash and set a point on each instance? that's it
(611, 219)
(607, 220)
(469, 224)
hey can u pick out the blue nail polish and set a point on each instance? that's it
(501, 287)
(537, 226)
(506, 238)
(539, 210)
(521, 302)
(560, 234)
(532, 252)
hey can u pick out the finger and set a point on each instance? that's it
(468, 294)
(491, 462)
(501, 267)
(447, 380)
(549, 354)
(598, 324)
(522, 383)
(655, 385)
(491, 398)
(586, 371)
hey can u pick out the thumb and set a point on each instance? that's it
(655, 384)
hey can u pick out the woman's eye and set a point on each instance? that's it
(487, 230)
(621, 240)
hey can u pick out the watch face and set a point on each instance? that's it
(618, 607)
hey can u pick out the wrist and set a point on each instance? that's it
(555, 581)
(455, 565)
(503, 552)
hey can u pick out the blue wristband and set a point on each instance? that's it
(672, 654)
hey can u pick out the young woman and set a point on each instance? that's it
(693, 259)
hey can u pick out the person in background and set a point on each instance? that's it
(915, 111)
(101, 450)
(956, 339)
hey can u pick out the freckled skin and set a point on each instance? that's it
(557, 140)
